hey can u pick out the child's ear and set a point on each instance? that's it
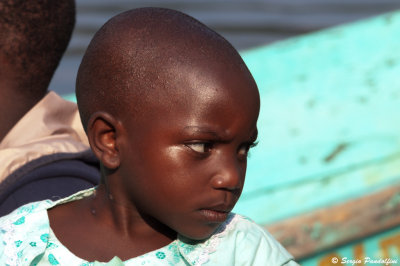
(102, 134)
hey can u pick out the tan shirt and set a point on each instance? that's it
(52, 126)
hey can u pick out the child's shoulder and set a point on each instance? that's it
(24, 232)
(241, 228)
(38, 210)
(23, 216)
(238, 241)
(249, 242)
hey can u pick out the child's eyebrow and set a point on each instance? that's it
(193, 130)
(204, 130)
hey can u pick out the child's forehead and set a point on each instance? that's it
(187, 95)
(141, 63)
(192, 84)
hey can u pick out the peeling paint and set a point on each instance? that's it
(316, 230)
(393, 202)
(339, 148)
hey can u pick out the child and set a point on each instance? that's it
(170, 110)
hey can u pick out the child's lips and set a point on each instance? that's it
(216, 214)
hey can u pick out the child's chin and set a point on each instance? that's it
(199, 236)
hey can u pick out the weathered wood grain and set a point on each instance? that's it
(326, 228)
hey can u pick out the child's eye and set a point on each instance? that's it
(244, 149)
(200, 147)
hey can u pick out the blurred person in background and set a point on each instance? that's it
(44, 152)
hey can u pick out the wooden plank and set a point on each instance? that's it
(327, 228)
(325, 132)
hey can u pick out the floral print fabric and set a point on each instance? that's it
(27, 239)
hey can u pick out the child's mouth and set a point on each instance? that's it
(216, 216)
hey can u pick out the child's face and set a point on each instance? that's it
(184, 162)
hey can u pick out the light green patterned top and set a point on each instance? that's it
(27, 239)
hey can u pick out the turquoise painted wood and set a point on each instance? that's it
(379, 249)
(328, 123)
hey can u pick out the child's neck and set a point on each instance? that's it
(99, 228)
(120, 214)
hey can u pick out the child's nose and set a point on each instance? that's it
(229, 176)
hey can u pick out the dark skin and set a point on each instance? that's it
(31, 46)
(12, 102)
(177, 169)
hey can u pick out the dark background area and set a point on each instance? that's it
(245, 23)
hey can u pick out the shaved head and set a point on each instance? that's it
(139, 56)
(170, 110)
